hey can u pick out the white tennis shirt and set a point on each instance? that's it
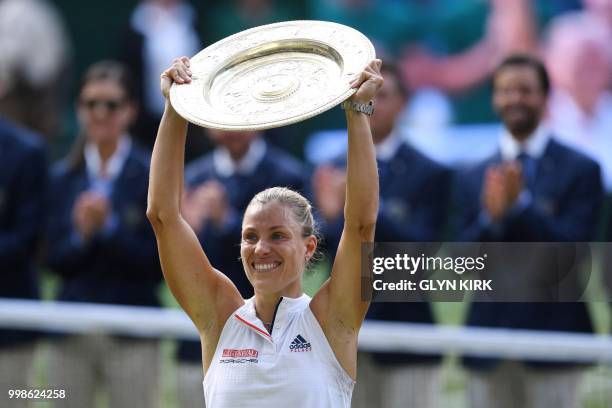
(293, 367)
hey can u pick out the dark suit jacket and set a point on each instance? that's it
(566, 199)
(222, 246)
(120, 266)
(414, 197)
(23, 178)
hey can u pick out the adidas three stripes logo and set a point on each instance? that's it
(299, 344)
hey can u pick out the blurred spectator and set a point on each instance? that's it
(35, 57)
(414, 194)
(94, 29)
(579, 57)
(158, 31)
(533, 189)
(445, 44)
(510, 26)
(23, 176)
(601, 9)
(220, 186)
(102, 246)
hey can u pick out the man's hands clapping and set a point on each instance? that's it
(502, 186)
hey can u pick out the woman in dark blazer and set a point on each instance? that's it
(101, 245)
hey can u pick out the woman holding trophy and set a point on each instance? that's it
(279, 348)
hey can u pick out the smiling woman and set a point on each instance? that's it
(273, 255)
(279, 348)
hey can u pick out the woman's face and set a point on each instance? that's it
(104, 111)
(273, 250)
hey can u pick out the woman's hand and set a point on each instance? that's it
(178, 72)
(368, 82)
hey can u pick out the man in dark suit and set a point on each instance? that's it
(414, 194)
(533, 189)
(23, 176)
(219, 187)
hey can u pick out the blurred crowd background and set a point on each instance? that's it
(445, 48)
(80, 105)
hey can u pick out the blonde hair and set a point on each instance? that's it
(300, 208)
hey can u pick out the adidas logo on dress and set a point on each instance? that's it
(299, 345)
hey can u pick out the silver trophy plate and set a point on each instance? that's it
(272, 75)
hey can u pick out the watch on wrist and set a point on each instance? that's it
(367, 108)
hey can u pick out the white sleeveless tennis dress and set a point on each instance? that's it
(294, 367)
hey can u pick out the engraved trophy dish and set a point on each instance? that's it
(272, 75)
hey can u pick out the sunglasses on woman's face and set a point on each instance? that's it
(110, 105)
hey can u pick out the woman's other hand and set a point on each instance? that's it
(368, 82)
(178, 72)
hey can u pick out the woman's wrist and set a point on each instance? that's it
(168, 106)
(171, 114)
(354, 117)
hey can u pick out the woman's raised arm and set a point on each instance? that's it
(338, 305)
(207, 295)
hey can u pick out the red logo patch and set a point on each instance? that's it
(234, 353)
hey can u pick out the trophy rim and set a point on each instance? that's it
(350, 50)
